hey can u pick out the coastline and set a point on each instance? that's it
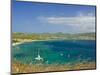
(21, 42)
(24, 41)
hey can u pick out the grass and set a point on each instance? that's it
(24, 68)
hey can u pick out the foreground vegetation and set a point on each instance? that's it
(24, 68)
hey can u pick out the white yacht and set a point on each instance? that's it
(38, 57)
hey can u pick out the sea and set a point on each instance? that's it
(55, 52)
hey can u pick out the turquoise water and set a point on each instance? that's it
(58, 51)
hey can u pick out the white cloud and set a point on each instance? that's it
(81, 22)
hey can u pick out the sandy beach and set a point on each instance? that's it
(23, 41)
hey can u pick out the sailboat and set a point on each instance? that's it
(38, 57)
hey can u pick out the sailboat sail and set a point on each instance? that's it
(38, 57)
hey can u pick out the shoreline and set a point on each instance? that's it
(25, 41)
(21, 42)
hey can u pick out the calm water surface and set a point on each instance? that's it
(58, 51)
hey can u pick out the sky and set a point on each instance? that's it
(51, 18)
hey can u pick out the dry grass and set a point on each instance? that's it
(24, 68)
